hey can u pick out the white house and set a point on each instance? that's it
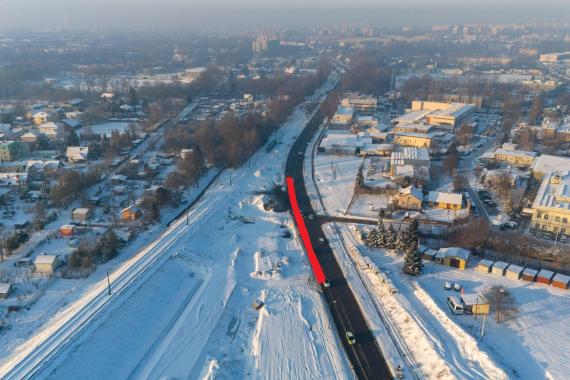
(77, 153)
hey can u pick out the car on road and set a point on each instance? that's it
(327, 283)
(311, 216)
(447, 285)
(350, 338)
(300, 155)
(321, 240)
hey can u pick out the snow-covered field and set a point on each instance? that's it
(335, 176)
(191, 315)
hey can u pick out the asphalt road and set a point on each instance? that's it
(365, 355)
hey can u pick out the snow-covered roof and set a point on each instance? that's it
(545, 273)
(346, 111)
(473, 299)
(530, 272)
(554, 192)
(500, 265)
(547, 163)
(515, 153)
(411, 117)
(413, 191)
(453, 252)
(5, 287)
(515, 269)
(559, 277)
(440, 197)
(486, 263)
(45, 259)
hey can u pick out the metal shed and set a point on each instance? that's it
(499, 268)
(514, 272)
(544, 276)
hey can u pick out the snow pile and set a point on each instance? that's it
(290, 342)
(467, 343)
(432, 364)
(210, 370)
(268, 266)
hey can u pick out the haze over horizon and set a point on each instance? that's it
(231, 16)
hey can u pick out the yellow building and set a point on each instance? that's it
(448, 201)
(551, 207)
(40, 118)
(418, 140)
(452, 257)
(475, 303)
(515, 157)
(450, 114)
(46, 264)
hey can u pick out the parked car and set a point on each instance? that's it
(457, 287)
(447, 285)
(455, 305)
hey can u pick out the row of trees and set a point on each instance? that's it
(403, 241)
(368, 74)
(232, 140)
(71, 184)
(104, 249)
(188, 171)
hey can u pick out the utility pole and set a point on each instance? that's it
(108, 283)
(483, 326)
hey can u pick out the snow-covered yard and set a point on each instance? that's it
(335, 176)
(530, 346)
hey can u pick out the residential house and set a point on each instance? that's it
(409, 198)
(51, 130)
(453, 257)
(40, 118)
(46, 264)
(449, 201)
(77, 154)
(13, 150)
(131, 213)
(81, 214)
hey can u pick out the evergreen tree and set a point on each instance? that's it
(413, 262)
(359, 178)
(381, 234)
(372, 239)
(108, 245)
(401, 241)
(391, 238)
(412, 235)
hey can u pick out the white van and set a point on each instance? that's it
(455, 305)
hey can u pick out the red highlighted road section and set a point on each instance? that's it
(315, 264)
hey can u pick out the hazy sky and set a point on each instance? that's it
(236, 14)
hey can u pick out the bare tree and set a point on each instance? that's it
(502, 303)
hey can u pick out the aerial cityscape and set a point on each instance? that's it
(316, 190)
